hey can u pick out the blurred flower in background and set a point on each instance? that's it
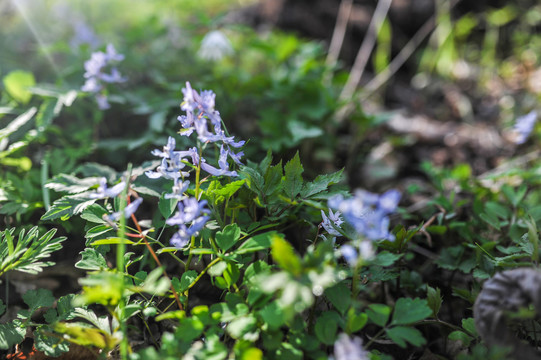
(524, 127)
(215, 46)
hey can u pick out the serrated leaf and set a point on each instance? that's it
(402, 334)
(434, 299)
(378, 314)
(36, 299)
(94, 214)
(11, 333)
(50, 345)
(293, 181)
(254, 180)
(273, 179)
(468, 324)
(409, 311)
(67, 206)
(321, 183)
(85, 335)
(91, 260)
(228, 237)
(228, 190)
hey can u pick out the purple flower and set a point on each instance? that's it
(331, 222)
(103, 192)
(128, 210)
(349, 253)
(524, 126)
(189, 211)
(92, 85)
(179, 187)
(172, 162)
(96, 75)
(112, 55)
(222, 163)
(346, 348)
(368, 212)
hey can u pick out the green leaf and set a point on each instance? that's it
(167, 206)
(434, 300)
(11, 333)
(320, 184)
(17, 83)
(491, 220)
(355, 321)
(493, 209)
(462, 337)
(301, 130)
(50, 345)
(91, 260)
(468, 324)
(257, 243)
(378, 314)
(187, 279)
(273, 315)
(112, 241)
(228, 237)
(227, 190)
(239, 327)
(273, 179)
(67, 206)
(36, 299)
(71, 184)
(326, 327)
(284, 255)
(386, 258)
(340, 296)
(94, 214)
(18, 122)
(402, 334)
(217, 269)
(293, 182)
(254, 269)
(408, 311)
(254, 180)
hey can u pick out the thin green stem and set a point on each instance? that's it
(121, 249)
(378, 334)
(203, 272)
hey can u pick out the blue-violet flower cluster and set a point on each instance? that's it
(97, 76)
(191, 217)
(202, 119)
(368, 214)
